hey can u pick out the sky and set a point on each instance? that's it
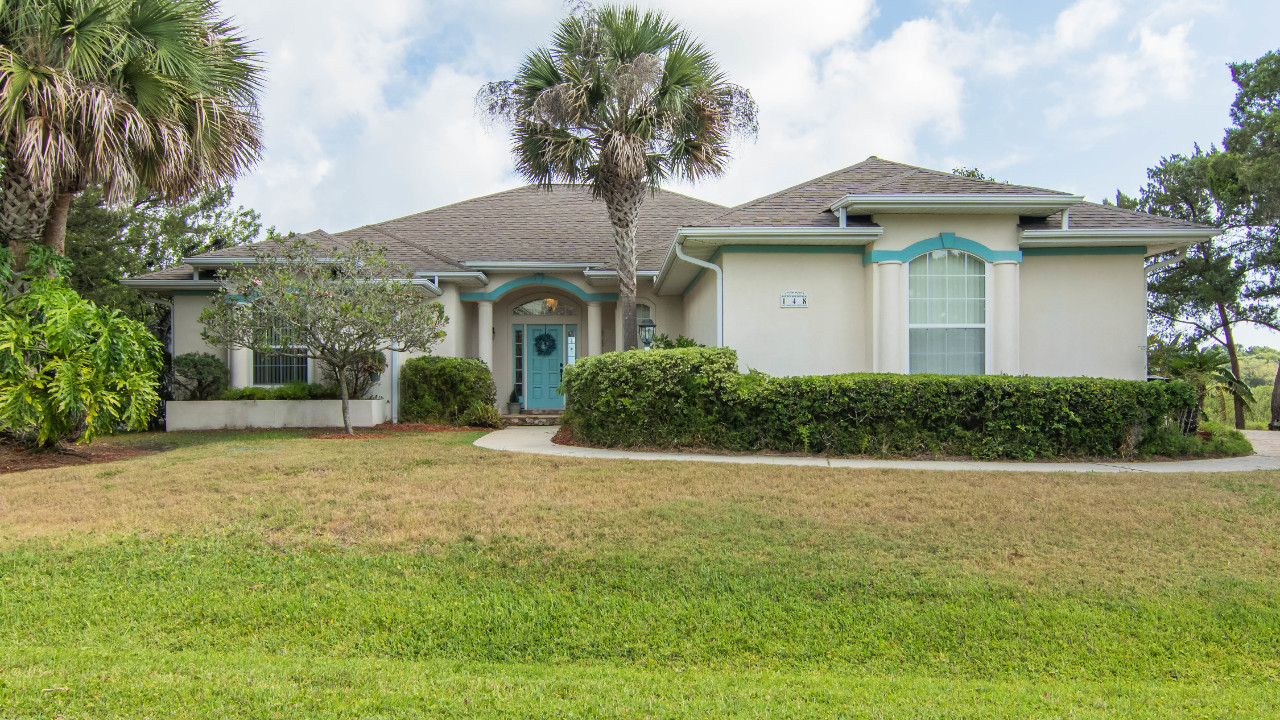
(369, 114)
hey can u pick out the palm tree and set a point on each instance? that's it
(122, 93)
(1206, 370)
(620, 101)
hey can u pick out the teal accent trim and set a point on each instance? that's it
(944, 241)
(540, 280)
(1111, 250)
(774, 249)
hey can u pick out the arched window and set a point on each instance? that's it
(947, 313)
(546, 306)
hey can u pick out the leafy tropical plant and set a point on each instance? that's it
(69, 369)
(620, 101)
(1205, 370)
(335, 305)
(126, 93)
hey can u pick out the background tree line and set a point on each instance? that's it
(1200, 297)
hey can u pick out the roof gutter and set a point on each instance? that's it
(718, 236)
(1114, 237)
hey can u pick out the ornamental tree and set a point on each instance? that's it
(334, 305)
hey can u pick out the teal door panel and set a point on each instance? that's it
(544, 348)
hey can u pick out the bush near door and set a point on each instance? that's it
(448, 391)
(696, 397)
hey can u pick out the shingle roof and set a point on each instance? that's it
(533, 224)
(564, 224)
(806, 204)
(1092, 216)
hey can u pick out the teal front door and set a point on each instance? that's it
(545, 352)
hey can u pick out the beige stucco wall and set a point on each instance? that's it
(997, 232)
(187, 327)
(700, 309)
(825, 338)
(1084, 315)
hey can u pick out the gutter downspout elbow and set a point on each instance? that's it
(679, 246)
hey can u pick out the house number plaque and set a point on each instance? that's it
(795, 299)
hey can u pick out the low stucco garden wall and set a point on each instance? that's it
(241, 414)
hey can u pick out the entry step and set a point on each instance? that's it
(543, 418)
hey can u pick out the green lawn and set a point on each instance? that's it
(269, 575)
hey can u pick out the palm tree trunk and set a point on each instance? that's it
(24, 205)
(1235, 363)
(55, 228)
(624, 209)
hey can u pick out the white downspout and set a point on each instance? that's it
(719, 288)
(395, 409)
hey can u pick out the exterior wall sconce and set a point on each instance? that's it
(646, 328)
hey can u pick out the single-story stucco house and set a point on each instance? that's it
(879, 267)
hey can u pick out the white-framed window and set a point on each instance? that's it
(643, 311)
(947, 313)
(270, 369)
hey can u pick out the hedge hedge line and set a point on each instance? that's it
(448, 391)
(696, 397)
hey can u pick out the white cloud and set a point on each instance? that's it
(1082, 24)
(369, 115)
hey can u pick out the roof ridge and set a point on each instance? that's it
(527, 186)
(952, 175)
(770, 196)
(423, 248)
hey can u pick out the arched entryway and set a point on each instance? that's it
(544, 340)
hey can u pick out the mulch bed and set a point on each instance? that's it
(14, 458)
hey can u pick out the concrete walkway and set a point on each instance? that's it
(537, 440)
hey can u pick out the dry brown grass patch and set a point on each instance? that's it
(423, 491)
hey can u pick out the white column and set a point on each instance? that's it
(594, 334)
(241, 362)
(617, 326)
(1005, 318)
(484, 343)
(891, 336)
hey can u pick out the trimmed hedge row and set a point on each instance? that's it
(696, 397)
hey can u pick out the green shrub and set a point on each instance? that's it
(69, 369)
(288, 391)
(360, 378)
(1222, 441)
(448, 391)
(201, 375)
(696, 397)
(655, 398)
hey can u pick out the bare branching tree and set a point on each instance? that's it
(620, 101)
(335, 306)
